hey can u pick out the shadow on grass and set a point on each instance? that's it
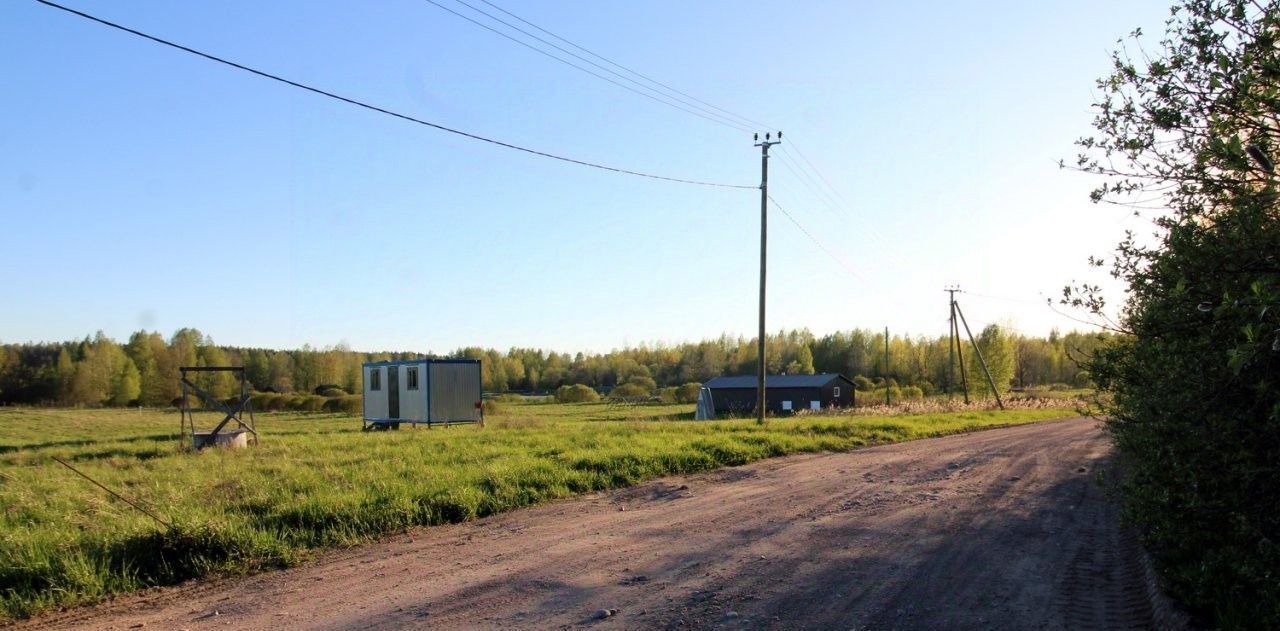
(81, 442)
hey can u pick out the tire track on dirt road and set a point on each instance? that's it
(1004, 529)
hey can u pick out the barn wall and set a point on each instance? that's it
(799, 398)
(734, 401)
(742, 401)
(844, 400)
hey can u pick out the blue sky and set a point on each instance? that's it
(141, 187)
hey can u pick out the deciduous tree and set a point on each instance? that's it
(1193, 126)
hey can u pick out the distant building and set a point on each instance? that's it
(784, 394)
(427, 391)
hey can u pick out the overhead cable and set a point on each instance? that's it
(381, 110)
(707, 113)
(819, 243)
(637, 73)
(597, 75)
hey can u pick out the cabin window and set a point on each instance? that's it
(411, 377)
(375, 379)
(815, 405)
(786, 406)
(835, 391)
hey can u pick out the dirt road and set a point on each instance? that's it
(1005, 529)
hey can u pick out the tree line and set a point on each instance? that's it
(99, 371)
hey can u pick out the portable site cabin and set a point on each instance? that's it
(784, 394)
(428, 391)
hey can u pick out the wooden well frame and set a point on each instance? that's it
(241, 413)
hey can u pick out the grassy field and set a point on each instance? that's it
(317, 481)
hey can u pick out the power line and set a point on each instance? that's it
(1048, 304)
(836, 208)
(800, 153)
(823, 247)
(813, 185)
(719, 118)
(807, 182)
(837, 201)
(1004, 298)
(380, 110)
(571, 64)
(794, 172)
(634, 72)
(834, 203)
(843, 203)
(793, 192)
(1106, 327)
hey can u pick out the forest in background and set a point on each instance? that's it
(100, 371)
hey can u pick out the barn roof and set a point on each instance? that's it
(776, 381)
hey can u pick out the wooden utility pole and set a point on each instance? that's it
(764, 239)
(886, 366)
(953, 334)
(951, 346)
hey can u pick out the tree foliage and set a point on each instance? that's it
(1194, 127)
(997, 347)
(94, 371)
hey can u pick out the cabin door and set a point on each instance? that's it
(393, 392)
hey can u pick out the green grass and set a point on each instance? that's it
(316, 482)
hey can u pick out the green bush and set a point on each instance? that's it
(1194, 382)
(263, 401)
(331, 392)
(863, 384)
(1082, 379)
(643, 384)
(688, 393)
(303, 403)
(911, 393)
(576, 393)
(629, 390)
(348, 404)
(668, 394)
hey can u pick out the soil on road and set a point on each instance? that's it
(1006, 528)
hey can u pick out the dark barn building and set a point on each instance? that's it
(784, 394)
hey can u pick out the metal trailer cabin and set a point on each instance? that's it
(427, 391)
(784, 394)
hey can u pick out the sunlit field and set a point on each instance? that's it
(317, 481)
